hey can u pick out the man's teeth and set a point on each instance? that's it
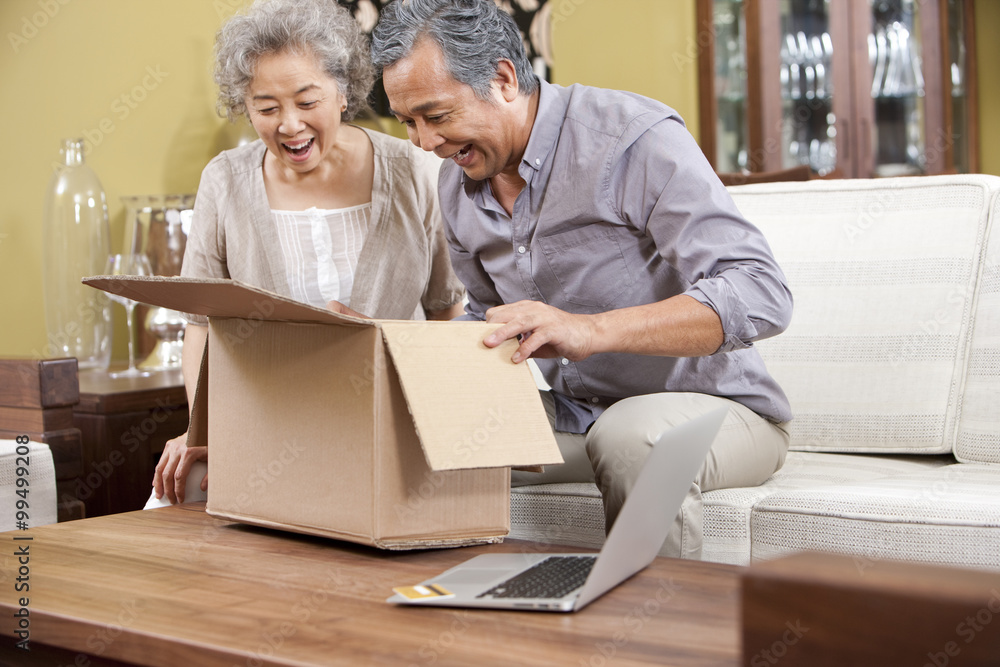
(460, 155)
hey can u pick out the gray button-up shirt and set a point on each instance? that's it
(621, 208)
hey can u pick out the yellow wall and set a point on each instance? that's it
(988, 60)
(646, 46)
(135, 79)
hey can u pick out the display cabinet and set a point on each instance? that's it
(851, 88)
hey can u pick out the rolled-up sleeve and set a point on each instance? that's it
(661, 183)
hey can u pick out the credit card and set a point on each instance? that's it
(423, 592)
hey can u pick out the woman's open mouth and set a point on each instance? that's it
(299, 150)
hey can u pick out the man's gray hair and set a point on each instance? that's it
(474, 35)
(319, 27)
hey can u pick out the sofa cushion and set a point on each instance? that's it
(727, 536)
(948, 516)
(979, 424)
(570, 514)
(883, 272)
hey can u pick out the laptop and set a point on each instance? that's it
(569, 582)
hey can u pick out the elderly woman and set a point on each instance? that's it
(318, 210)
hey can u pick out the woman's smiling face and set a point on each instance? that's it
(295, 108)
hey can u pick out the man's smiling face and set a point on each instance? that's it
(445, 116)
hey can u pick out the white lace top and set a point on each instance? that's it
(321, 249)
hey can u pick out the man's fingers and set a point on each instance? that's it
(504, 332)
(530, 345)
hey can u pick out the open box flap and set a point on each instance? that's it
(471, 406)
(217, 297)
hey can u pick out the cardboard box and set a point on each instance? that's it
(396, 434)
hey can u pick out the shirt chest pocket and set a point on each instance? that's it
(587, 265)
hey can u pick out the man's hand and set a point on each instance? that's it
(545, 331)
(680, 326)
(172, 470)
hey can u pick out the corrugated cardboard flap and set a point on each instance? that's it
(214, 297)
(471, 406)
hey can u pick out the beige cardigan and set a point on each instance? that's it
(403, 269)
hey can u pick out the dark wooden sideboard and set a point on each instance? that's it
(106, 434)
(37, 398)
(125, 422)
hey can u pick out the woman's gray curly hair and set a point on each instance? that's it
(321, 27)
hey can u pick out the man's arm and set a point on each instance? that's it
(676, 327)
(662, 186)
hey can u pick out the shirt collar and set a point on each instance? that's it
(548, 123)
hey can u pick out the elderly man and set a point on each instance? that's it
(588, 224)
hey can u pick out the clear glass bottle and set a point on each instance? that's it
(76, 244)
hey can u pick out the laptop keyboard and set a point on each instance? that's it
(553, 577)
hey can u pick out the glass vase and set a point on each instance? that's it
(76, 244)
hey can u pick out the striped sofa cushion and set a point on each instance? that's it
(883, 273)
(727, 512)
(947, 516)
(568, 514)
(979, 424)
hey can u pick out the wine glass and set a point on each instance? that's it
(128, 264)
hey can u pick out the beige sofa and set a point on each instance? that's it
(892, 367)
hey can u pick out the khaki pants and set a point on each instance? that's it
(747, 451)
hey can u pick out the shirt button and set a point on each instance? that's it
(521, 249)
(537, 162)
(565, 361)
(594, 400)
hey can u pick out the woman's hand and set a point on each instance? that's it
(172, 470)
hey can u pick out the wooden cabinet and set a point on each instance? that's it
(852, 88)
(125, 422)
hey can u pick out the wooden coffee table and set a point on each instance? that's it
(176, 586)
